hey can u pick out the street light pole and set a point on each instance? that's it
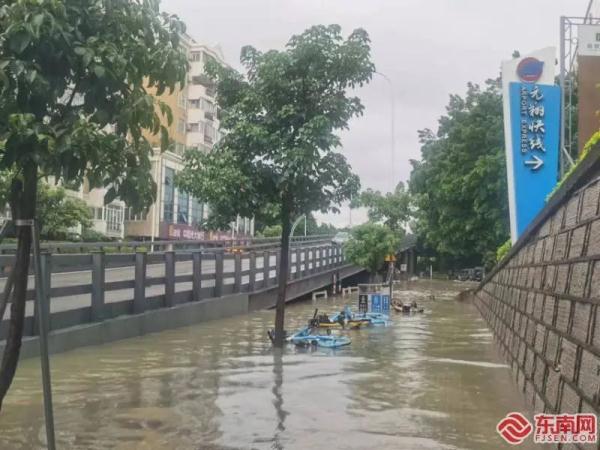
(392, 126)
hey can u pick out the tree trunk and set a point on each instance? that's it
(284, 265)
(23, 201)
(6, 294)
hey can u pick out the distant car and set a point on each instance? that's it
(340, 238)
(463, 275)
(478, 274)
(473, 274)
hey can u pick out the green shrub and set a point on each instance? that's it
(91, 235)
(503, 250)
(586, 150)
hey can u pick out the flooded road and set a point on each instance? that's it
(428, 381)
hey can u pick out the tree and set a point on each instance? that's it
(368, 245)
(459, 186)
(276, 158)
(312, 228)
(391, 208)
(58, 212)
(74, 76)
(272, 231)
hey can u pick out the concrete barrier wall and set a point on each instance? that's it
(542, 302)
(184, 314)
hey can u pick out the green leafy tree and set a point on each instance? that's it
(271, 231)
(58, 212)
(277, 157)
(74, 76)
(459, 186)
(391, 208)
(368, 245)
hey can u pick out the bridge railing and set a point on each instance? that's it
(85, 288)
(83, 250)
(133, 246)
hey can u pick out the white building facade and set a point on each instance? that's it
(175, 214)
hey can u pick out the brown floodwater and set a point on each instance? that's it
(428, 381)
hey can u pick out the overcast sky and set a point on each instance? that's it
(428, 48)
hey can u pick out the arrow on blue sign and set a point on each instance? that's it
(535, 163)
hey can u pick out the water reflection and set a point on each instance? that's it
(278, 398)
(430, 381)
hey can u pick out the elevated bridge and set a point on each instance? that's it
(100, 296)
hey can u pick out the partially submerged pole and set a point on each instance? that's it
(43, 322)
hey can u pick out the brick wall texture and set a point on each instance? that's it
(543, 307)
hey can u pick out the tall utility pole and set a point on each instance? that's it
(392, 127)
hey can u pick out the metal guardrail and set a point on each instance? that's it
(209, 274)
(132, 246)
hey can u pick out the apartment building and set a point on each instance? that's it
(176, 214)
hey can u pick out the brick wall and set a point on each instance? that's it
(542, 302)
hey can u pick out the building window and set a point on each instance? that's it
(193, 127)
(96, 213)
(196, 212)
(181, 126)
(181, 99)
(195, 103)
(114, 218)
(131, 216)
(169, 195)
(211, 91)
(183, 207)
(179, 148)
(207, 106)
(196, 56)
(210, 133)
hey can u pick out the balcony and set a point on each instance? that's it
(203, 80)
(193, 127)
(211, 91)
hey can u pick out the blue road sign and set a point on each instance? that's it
(535, 126)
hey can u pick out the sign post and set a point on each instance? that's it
(588, 63)
(532, 127)
(43, 322)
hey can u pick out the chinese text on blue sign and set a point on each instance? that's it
(535, 115)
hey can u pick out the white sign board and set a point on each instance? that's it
(589, 40)
(403, 267)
